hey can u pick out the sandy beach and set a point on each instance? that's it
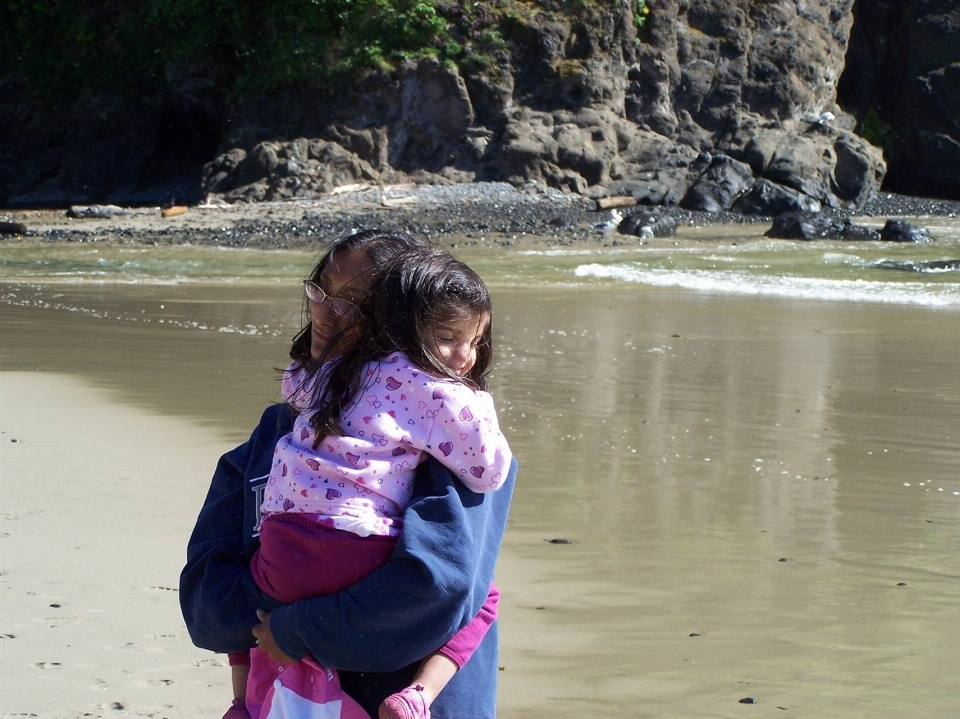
(97, 500)
(758, 499)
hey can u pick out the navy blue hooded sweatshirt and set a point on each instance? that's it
(377, 631)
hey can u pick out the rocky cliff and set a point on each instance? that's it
(712, 105)
(902, 81)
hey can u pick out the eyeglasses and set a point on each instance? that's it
(339, 306)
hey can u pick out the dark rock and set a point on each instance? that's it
(721, 184)
(800, 226)
(768, 199)
(824, 162)
(902, 81)
(932, 266)
(369, 144)
(434, 115)
(928, 163)
(13, 228)
(490, 94)
(218, 174)
(759, 149)
(648, 224)
(256, 165)
(588, 151)
(857, 174)
(798, 162)
(903, 231)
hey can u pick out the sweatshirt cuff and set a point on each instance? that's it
(283, 626)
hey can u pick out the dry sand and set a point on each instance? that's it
(98, 500)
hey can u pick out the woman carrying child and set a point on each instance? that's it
(380, 380)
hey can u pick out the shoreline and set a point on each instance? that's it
(474, 214)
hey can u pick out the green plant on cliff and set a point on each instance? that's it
(640, 15)
(109, 45)
(63, 49)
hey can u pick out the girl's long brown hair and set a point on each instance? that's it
(417, 289)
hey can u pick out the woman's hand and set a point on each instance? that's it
(265, 639)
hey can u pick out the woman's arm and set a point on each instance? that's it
(434, 585)
(218, 596)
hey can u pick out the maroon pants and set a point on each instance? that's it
(299, 558)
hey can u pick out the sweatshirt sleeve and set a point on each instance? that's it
(218, 596)
(435, 583)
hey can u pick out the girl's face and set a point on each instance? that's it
(345, 281)
(454, 341)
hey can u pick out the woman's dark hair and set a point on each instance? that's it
(415, 290)
(379, 247)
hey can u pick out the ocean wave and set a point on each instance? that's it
(742, 283)
(842, 258)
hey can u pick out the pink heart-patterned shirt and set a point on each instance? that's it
(362, 481)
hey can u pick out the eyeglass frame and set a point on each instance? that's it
(311, 286)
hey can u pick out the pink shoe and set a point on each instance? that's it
(237, 710)
(407, 704)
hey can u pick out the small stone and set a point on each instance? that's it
(747, 700)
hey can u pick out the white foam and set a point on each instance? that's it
(732, 282)
(842, 258)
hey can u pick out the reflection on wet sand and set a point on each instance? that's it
(760, 495)
(735, 470)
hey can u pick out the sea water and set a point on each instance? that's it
(732, 259)
(739, 457)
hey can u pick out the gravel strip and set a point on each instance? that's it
(482, 214)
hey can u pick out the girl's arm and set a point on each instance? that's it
(466, 437)
(436, 582)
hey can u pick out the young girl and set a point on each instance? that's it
(410, 384)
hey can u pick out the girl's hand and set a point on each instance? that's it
(265, 639)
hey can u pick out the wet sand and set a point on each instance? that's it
(760, 500)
